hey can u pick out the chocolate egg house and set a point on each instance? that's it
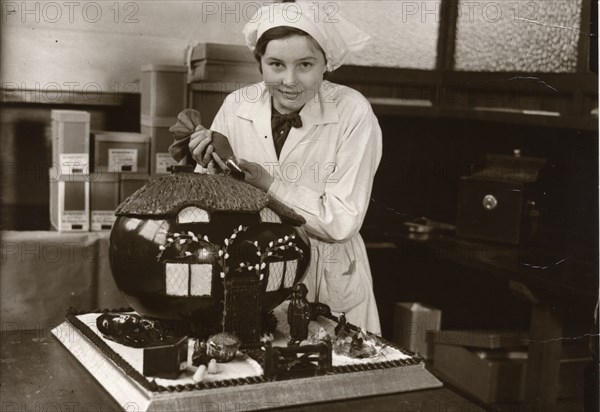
(207, 250)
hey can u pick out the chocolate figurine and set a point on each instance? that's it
(342, 329)
(135, 331)
(298, 314)
(317, 308)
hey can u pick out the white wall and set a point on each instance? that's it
(83, 45)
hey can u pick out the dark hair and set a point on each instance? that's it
(277, 33)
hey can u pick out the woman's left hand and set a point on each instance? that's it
(256, 175)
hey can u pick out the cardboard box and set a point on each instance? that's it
(498, 375)
(212, 62)
(122, 152)
(104, 199)
(217, 70)
(70, 141)
(480, 338)
(411, 322)
(69, 202)
(128, 184)
(208, 98)
(222, 52)
(487, 377)
(160, 140)
(164, 90)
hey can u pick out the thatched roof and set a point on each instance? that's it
(167, 195)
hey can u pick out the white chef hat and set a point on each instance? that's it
(336, 35)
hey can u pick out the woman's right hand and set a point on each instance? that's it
(200, 146)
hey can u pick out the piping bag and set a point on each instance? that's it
(187, 121)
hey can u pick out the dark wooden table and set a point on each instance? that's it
(39, 374)
(569, 282)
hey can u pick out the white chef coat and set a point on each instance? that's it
(325, 173)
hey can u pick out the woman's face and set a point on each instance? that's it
(293, 70)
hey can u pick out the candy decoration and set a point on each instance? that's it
(199, 374)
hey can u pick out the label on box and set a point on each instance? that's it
(163, 161)
(122, 160)
(74, 163)
(74, 220)
(103, 219)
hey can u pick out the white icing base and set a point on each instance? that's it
(242, 366)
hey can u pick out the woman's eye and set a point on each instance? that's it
(276, 65)
(306, 65)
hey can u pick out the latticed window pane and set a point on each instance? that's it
(404, 32)
(290, 272)
(153, 230)
(275, 276)
(267, 215)
(201, 279)
(518, 35)
(193, 214)
(177, 278)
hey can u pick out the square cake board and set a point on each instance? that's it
(131, 395)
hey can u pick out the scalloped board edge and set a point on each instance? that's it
(132, 396)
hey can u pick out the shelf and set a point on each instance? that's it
(66, 97)
(556, 100)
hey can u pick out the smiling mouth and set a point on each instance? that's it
(292, 96)
(290, 93)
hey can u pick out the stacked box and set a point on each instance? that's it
(104, 199)
(69, 202)
(207, 98)
(164, 95)
(487, 376)
(223, 63)
(215, 71)
(412, 320)
(107, 191)
(70, 141)
(121, 152)
(492, 365)
(161, 139)
(84, 198)
(164, 90)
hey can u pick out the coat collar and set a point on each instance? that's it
(320, 110)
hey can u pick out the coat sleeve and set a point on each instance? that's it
(337, 213)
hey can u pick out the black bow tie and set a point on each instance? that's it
(293, 119)
(281, 124)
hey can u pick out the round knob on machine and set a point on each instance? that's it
(489, 202)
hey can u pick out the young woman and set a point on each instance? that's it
(310, 143)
